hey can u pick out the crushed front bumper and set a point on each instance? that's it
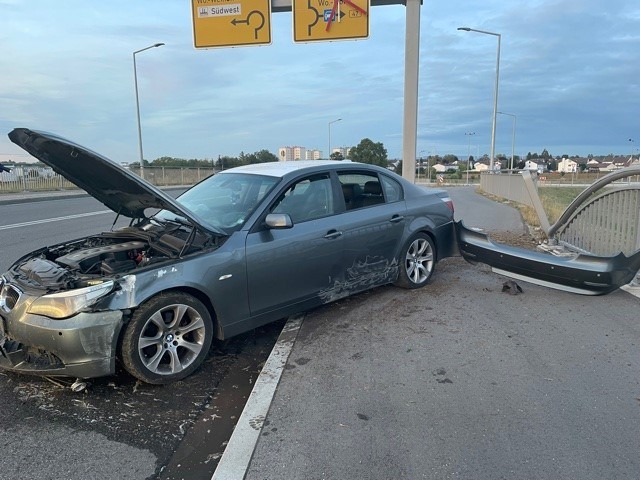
(583, 274)
(82, 346)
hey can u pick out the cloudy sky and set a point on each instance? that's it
(569, 71)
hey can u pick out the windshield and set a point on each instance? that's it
(225, 200)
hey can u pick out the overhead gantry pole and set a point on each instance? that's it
(411, 76)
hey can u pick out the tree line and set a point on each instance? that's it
(223, 162)
(367, 151)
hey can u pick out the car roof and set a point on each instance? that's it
(280, 169)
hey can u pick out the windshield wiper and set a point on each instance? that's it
(176, 220)
(181, 221)
(184, 222)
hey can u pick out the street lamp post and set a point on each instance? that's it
(421, 163)
(135, 80)
(495, 93)
(513, 136)
(331, 122)
(469, 134)
(631, 142)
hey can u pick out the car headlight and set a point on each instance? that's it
(66, 304)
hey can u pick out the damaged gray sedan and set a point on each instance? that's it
(244, 247)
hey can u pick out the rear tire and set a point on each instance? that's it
(167, 338)
(417, 262)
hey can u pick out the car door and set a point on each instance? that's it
(294, 265)
(373, 226)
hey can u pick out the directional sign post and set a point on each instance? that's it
(231, 23)
(327, 20)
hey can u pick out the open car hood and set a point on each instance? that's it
(117, 188)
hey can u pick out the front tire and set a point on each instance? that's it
(167, 338)
(418, 260)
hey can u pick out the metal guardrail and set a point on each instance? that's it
(605, 225)
(42, 180)
(603, 220)
(16, 183)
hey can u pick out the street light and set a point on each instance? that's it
(332, 121)
(631, 142)
(469, 134)
(421, 163)
(513, 136)
(135, 80)
(495, 93)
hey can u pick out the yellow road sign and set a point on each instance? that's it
(231, 23)
(326, 20)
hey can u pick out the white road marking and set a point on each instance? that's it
(237, 455)
(56, 219)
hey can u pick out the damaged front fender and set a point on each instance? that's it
(82, 346)
(582, 274)
(134, 289)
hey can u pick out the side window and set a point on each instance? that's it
(392, 189)
(360, 189)
(307, 199)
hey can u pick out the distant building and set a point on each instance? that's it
(299, 153)
(567, 165)
(288, 154)
(480, 166)
(440, 168)
(285, 154)
(609, 163)
(533, 166)
(313, 154)
(344, 151)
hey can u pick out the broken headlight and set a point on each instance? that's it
(66, 304)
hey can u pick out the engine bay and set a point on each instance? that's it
(108, 259)
(82, 262)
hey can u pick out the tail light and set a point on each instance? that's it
(448, 202)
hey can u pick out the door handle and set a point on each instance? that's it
(396, 218)
(333, 234)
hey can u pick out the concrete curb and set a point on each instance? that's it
(10, 198)
(237, 455)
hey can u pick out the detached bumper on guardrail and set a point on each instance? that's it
(583, 274)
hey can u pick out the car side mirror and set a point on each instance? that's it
(278, 221)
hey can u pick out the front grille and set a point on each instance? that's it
(9, 296)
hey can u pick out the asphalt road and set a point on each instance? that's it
(458, 380)
(478, 211)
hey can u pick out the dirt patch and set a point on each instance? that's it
(515, 239)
